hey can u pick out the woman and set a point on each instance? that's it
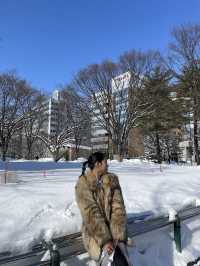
(101, 204)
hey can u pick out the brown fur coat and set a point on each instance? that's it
(103, 212)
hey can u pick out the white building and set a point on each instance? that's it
(187, 144)
(99, 136)
(53, 122)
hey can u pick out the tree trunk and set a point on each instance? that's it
(76, 152)
(4, 150)
(57, 155)
(29, 150)
(196, 144)
(120, 152)
(117, 151)
(158, 150)
(168, 154)
(3, 156)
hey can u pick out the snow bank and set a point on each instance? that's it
(43, 206)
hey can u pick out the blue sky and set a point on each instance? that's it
(47, 41)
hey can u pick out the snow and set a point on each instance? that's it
(71, 145)
(41, 204)
(172, 214)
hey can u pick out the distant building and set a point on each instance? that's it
(186, 144)
(55, 122)
(54, 116)
(99, 136)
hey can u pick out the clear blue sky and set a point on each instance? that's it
(47, 41)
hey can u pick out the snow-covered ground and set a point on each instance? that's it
(41, 204)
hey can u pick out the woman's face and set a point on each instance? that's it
(102, 167)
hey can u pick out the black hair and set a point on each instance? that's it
(92, 159)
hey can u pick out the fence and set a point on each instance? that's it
(11, 176)
(66, 247)
(7, 177)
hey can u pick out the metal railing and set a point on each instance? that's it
(66, 247)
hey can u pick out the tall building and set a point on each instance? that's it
(54, 116)
(99, 135)
(100, 139)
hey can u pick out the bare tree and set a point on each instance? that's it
(184, 61)
(116, 94)
(77, 117)
(57, 144)
(12, 95)
(33, 111)
(61, 132)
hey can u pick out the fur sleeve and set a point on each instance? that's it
(118, 224)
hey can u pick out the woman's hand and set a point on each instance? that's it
(109, 247)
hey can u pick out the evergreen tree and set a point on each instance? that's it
(184, 61)
(164, 120)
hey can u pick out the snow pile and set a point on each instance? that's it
(50, 159)
(80, 160)
(43, 206)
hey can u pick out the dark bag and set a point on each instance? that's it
(119, 258)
